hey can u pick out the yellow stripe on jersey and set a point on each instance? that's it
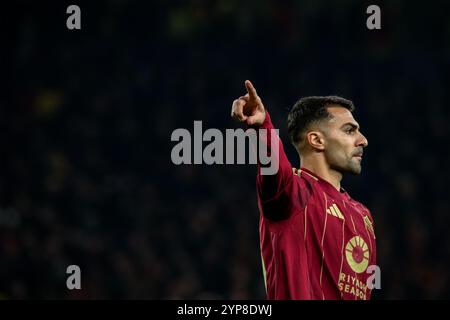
(334, 211)
(264, 273)
(339, 213)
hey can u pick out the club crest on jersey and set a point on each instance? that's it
(369, 226)
(357, 254)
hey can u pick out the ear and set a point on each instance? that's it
(316, 140)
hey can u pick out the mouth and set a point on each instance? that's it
(359, 156)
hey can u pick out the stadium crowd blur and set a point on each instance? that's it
(86, 171)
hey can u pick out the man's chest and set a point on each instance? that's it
(342, 239)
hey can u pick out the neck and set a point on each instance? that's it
(319, 167)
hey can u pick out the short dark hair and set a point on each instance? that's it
(311, 109)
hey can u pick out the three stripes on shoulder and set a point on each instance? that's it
(334, 211)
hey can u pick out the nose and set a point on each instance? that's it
(362, 141)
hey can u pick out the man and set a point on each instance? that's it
(316, 241)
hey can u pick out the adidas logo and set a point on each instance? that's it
(334, 211)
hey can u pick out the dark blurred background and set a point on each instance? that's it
(86, 118)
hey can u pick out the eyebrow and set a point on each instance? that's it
(351, 124)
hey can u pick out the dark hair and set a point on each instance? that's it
(310, 109)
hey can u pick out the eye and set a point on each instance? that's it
(350, 130)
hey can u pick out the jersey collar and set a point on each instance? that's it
(328, 187)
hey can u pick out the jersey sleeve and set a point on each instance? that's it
(281, 193)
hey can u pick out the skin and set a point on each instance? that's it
(329, 148)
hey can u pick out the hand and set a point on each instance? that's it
(249, 108)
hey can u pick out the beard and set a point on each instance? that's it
(354, 166)
(344, 164)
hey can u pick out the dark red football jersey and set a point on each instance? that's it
(316, 242)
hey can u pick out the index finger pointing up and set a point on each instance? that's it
(251, 89)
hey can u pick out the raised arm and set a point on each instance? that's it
(249, 109)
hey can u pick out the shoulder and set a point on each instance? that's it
(307, 185)
(362, 208)
(306, 179)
